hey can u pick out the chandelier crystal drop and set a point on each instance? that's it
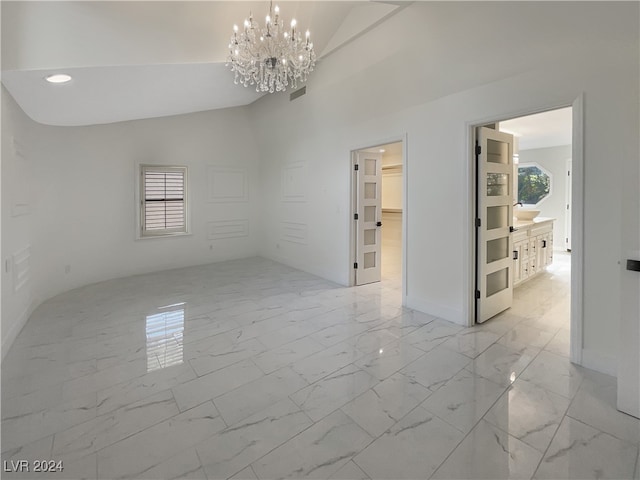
(271, 58)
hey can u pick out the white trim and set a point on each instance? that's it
(10, 335)
(577, 230)
(240, 196)
(468, 227)
(577, 222)
(405, 209)
(222, 229)
(21, 267)
(441, 311)
(19, 209)
(566, 241)
(296, 195)
(353, 205)
(294, 232)
(325, 273)
(601, 363)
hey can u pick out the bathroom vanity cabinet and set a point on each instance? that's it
(532, 248)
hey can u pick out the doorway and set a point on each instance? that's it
(378, 214)
(536, 196)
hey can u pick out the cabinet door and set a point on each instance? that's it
(524, 247)
(545, 249)
(517, 262)
(525, 260)
(549, 249)
(540, 252)
(533, 256)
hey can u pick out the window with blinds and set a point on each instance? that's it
(163, 196)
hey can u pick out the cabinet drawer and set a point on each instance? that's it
(542, 229)
(520, 235)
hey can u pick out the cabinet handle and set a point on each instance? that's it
(544, 244)
(515, 254)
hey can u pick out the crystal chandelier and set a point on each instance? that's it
(270, 58)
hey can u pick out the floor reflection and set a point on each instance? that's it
(165, 331)
(287, 375)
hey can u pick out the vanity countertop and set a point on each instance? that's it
(529, 223)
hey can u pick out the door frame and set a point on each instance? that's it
(567, 201)
(401, 138)
(577, 216)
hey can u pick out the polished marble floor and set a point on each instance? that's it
(250, 369)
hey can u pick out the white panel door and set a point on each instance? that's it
(494, 283)
(369, 217)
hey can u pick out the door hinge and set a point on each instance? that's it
(356, 167)
(478, 149)
(477, 294)
(478, 222)
(355, 216)
(355, 265)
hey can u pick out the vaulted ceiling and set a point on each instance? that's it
(142, 59)
(133, 60)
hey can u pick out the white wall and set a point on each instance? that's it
(19, 297)
(554, 161)
(81, 183)
(432, 85)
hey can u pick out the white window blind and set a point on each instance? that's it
(163, 200)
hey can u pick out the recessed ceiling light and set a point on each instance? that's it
(382, 150)
(58, 78)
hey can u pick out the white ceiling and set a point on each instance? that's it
(132, 60)
(542, 130)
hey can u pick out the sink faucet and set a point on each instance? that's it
(517, 203)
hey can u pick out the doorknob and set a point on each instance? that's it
(378, 224)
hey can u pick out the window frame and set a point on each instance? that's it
(142, 233)
(543, 170)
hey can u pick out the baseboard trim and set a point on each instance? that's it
(322, 273)
(437, 310)
(10, 336)
(599, 362)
